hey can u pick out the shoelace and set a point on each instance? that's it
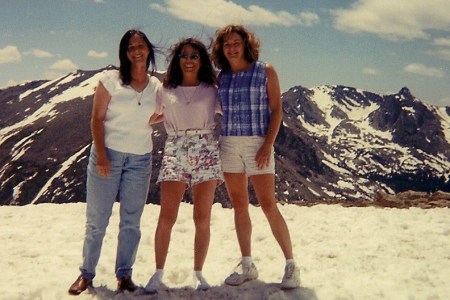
(237, 266)
(290, 270)
(236, 269)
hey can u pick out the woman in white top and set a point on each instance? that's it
(120, 161)
(187, 103)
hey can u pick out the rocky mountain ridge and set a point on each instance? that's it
(336, 143)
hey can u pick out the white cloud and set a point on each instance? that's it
(38, 53)
(442, 50)
(9, 83)
(63, 65)
(51, 74)
(158, 7)
(10, 54)
(60, 68)
(308, 19)
(95, 54)
(443, 102)
(370, 71)
(395, 20)
(216, 13)
(443, 54)
(421, 69)
(442, 42)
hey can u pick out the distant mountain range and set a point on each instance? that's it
(336, 143)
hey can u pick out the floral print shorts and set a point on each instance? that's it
(191, 159)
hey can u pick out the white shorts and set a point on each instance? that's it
(238, 153)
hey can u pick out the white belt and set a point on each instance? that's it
(189, 132)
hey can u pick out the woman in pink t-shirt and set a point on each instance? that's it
(187, 104)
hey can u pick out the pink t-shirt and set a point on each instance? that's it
(188, 107)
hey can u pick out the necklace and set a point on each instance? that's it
(139, 85)
(189, 99)
(138, 96)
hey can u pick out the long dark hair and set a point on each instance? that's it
(174, 74)
(251, 45)
(125, 64)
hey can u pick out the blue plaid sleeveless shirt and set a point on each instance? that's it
(244, 100)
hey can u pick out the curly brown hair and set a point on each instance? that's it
(251, 45)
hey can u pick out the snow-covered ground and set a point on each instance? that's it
(344, 253)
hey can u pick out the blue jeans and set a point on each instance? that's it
(129, 180)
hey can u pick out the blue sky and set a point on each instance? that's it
(375, 45)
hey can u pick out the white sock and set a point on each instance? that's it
(199, 275)
(290, 261)
(159, 273)
(246, 261)
(200, 278)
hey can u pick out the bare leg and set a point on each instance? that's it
(203, 194)
(264, 186)
(171, 196)
(237, 187)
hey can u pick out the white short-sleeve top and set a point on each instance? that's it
(188, 107)
(126, 121)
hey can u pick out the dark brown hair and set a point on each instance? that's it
(125, 64)
(174, 74)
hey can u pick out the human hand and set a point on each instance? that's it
(103, 167)
(263, 156)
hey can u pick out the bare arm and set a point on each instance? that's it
(276, 116)
(155, 118)
(99, 108)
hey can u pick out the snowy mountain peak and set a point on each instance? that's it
(364, 142)
(336, 142)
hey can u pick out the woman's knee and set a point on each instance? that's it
(239, 201)
(202, 224)
(167, 220)
(270, 209)
(202, 220)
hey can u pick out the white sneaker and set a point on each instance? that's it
(203, 285)
(154, 284)
(291, 278)
(248, 273)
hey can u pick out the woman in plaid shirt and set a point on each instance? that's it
(252, 113)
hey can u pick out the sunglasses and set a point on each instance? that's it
(193, 57)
